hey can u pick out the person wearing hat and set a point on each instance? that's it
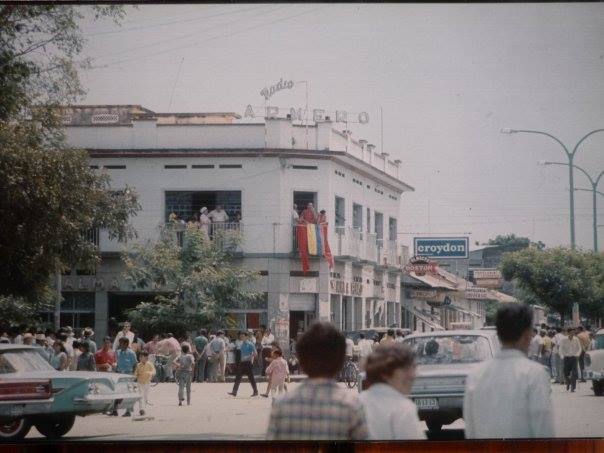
(204, 222)
(87, 335)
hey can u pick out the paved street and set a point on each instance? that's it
(216, 415)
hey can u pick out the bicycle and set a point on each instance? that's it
(161, 364)
(350, 373)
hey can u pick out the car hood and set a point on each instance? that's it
(452, 369)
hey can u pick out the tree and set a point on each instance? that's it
(49, 200)
(511, 240)
(40, 56)
(559, 277)
(49, 197)
(196, 275)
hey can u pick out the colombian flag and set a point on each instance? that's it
(312, 240)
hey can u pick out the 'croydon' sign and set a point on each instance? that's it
(441, 247)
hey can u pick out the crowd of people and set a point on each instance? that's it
(208, 222)
(516, 381)
(562, 352)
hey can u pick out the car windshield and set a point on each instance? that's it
(450, 349)
(25, 360)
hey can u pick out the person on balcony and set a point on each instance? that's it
(295, 215)
(308, 215)
(204, 222)
(219, 218)
(322, 218)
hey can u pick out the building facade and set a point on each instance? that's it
(179, 163)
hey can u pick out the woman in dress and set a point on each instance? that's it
(58, 359)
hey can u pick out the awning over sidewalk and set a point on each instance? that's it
(426, 319)
(461, 310)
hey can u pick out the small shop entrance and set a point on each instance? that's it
(299, 322)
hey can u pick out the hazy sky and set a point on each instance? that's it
(448, 78)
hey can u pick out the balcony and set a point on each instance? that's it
(352, 243)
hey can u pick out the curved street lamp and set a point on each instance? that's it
(594, 190)
(570, 155)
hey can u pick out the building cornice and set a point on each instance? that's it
(342, 157)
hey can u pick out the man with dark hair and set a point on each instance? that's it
(570, 351)
(509, 395)
(319, 409)
(388, 338)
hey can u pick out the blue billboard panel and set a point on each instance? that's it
(441, 247)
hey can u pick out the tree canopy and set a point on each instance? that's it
(196, 275)
(559, 277)
(515, 241)
(49, 197)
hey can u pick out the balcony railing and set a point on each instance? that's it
(228, 234)
(352, 242)
(92, 235)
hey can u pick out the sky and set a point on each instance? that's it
(447, 78)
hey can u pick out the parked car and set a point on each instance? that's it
(20, 398)
(594, 364)
(444, 359)
(73, 393)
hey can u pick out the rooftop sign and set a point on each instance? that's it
(441, 247)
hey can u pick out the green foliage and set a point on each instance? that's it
(17, 311)
(512, 240)
(49, 199)
(558, 277)
(199, 277)
(40, 55)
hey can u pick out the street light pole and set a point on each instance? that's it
(570, 155)
(594, 190)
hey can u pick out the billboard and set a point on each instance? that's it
(441, 247)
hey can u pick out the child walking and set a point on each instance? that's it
(144, 372)
(277, 372)
(183, 365)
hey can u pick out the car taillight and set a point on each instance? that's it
(25, 389)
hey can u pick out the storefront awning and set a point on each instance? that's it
(426, 319)
(467, 312)
(500, 297)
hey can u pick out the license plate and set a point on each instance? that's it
(426, 403)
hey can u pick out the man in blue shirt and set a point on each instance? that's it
(245, 354)
(126, 358)
(126, 363)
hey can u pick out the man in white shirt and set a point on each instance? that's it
(218, 215)
(509, 396)
(295, 215)
(365, 345)
(570, 350)
(125, 332)
(349, 348)
(557, 367)
(535, 346)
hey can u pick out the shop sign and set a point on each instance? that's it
(477, 293)
(420, 266)
(488, 282)
(308, 285)
(441, 247)
(487, 274)
(428, 294)
(346, 288)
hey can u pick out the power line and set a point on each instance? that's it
(211, 38)
(197, 32)
(175, 82)
(161, 24)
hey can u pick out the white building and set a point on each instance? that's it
(182, 162)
